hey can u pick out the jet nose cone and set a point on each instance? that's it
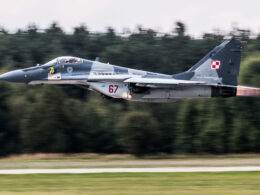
(13, 76)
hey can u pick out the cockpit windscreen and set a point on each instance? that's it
(64, 60)
(69, 60)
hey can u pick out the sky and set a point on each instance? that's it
(199, 16)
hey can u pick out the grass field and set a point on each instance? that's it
(110, 161)
(132, 183)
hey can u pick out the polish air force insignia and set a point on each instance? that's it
(215, 64)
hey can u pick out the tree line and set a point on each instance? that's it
(51, 118)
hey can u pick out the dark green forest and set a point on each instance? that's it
(51, 118)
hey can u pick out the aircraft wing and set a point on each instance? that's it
(161, 82)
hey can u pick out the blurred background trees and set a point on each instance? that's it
(69, 119)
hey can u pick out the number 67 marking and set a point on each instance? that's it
(112, 88)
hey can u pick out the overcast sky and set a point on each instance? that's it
(199, 15)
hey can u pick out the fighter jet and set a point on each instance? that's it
(215, 75)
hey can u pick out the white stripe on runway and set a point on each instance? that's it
(131, 170)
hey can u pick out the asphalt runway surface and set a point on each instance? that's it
(131, 170)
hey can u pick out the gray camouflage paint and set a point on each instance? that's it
(228, 53)
(100, 76)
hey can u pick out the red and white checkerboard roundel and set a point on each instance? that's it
(215, 64)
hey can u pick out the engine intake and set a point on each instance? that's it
(138, 89)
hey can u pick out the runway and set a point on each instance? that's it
(131, 170)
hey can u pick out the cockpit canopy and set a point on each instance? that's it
(64, 60)
(69, 60)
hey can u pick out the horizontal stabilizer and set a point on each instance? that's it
(248, 91)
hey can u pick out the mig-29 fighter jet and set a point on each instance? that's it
(215, 75)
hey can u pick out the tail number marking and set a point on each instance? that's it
(112, 88)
